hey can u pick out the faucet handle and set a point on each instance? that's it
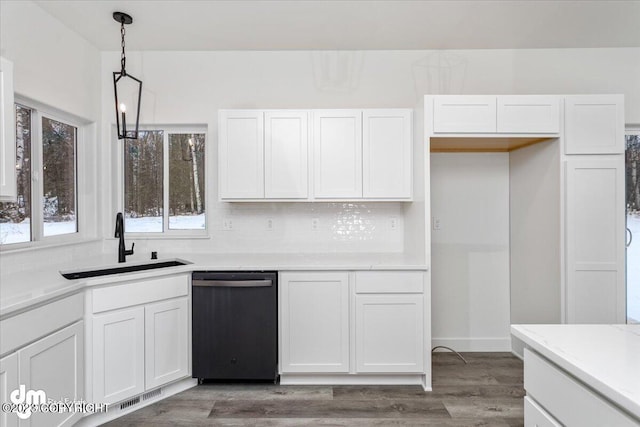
(130, 251)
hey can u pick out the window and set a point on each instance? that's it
(164, 182)
(46, 169)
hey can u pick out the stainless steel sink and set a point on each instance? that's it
(83, 274)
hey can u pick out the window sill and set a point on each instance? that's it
(33, 246)
(163, 236)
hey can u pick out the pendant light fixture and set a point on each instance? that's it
(127, 89)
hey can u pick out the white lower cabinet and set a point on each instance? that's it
(166, 342)
(375, 319)
(140, 336)
(8, 383)
(140, 348)
(535, 416)
(389, 333)
(562, 399)
(314, 322)
(53, 364)
(118, 355)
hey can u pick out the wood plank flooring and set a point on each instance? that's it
(487, 391)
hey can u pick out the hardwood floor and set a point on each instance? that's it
(485, 392)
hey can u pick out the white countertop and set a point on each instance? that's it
(22, 290)
(605, 357)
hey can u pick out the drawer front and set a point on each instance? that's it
(41, 321)
(141, 292)
(535, 416)
(389, 282)
(568, 400)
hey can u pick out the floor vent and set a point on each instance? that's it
(129, 403)
(152, 394)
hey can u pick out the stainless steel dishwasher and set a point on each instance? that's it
(235, 326)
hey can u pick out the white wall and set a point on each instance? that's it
(56, 67)
(470, 253)
(534, 201)
(190, 87)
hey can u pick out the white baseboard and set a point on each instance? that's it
(474, 344)
(346, 379)
(114, 410)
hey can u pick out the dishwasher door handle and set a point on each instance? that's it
(234, 283)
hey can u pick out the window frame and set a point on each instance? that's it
(166, 232)
(37, 237)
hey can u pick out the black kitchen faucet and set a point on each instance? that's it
(122, 252)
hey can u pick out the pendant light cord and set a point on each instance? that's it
(123, 58)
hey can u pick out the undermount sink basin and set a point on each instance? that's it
(83, 274)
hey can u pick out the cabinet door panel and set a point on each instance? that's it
(337, 141)
(118, 355)
(595, 231)
(166, 342)
(8, 184)
(389, 333)
(8, 383)
(241, 151)
(464, 114)
(535, 416)
(529, 114)
(314, 313)
(387, 153)
(594, 124)
(55, 364)
(286, 143)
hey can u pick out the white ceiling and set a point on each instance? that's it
(348, 24)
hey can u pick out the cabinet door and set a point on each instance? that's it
(535, 416)
(118, 355)
(337, 142)
(594, 124)
(314, 320)
(8, 383)
(241, 154)
(55, 365)
(464, 114)
(286, 140)
(387, 159)
(389, 333)
(529, 114)
(8, 185)
(166, 342)
(595, 232)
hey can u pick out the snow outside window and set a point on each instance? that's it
(46, 173)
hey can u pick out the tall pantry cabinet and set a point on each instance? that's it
(590, 132)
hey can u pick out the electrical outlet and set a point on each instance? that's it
(269, 224)
(393, 223)
(437, 224)
(315, 224)
(227, 224)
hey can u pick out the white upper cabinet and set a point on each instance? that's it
(594, 124)
(286, 141)
(528, 114)
(354, 155)
(241, 154)
(387, 153)
(337, 153)
(464, 114)
(8, 187)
